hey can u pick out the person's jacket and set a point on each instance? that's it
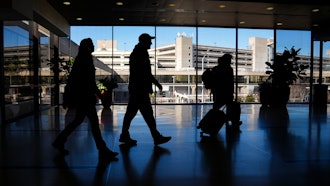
(223, 81)
(82, 81)
(140, 78)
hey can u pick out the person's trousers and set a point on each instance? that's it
(140, 103)
(81, 113)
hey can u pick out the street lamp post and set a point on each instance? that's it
(173, 77)
(202, 81)
(202, 72)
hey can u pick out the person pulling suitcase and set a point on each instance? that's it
(222, 88)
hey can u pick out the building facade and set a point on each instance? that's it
(175, 66)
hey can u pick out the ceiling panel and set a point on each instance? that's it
(292, 13)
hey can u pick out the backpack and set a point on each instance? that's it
(207, 78)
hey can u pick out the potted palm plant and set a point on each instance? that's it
(106, 86)
(283, 72)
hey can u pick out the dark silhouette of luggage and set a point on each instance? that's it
(212, 122)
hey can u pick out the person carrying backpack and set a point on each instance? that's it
(222, 89)
(223, 82)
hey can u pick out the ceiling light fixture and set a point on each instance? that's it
(242, 22)
(119, 3)
(270, 8)
(279, 23)
(67, 3)
(222, 6)
(121, 19)
(79, 19)
(171, 5)
(315, 10)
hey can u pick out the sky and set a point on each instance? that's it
(127, 37)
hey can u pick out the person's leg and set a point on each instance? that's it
(94, 123)
(233, 112)
(62, 137)
(147, 113)
(104, 151)
(217, 102)
(131, 112)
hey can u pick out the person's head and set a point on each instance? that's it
(86, 45)
(145, 40)
(225, 59)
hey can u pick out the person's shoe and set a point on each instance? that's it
(127, 139)
(107, 155)
(161, 139)
(60, 147)
(236, 124)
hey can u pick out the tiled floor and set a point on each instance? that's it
(290, 147)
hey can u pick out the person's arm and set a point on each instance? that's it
(155, 81)
(232, 80)
(93, 83)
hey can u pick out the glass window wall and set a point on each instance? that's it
(178, 57)
(255, 48)
(212, 44)
(320, 78)
(46, 69)
(18, 69)
(300, 41)
(175, 54)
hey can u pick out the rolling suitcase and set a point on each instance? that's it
(212, 122)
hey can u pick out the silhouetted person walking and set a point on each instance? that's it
(223, 87)
(140, 86)
(82, 96)
(223, 90)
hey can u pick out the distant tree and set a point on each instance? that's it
(249, 98)
(239, 99)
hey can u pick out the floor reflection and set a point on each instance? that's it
(275, 147)
(147, 177)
